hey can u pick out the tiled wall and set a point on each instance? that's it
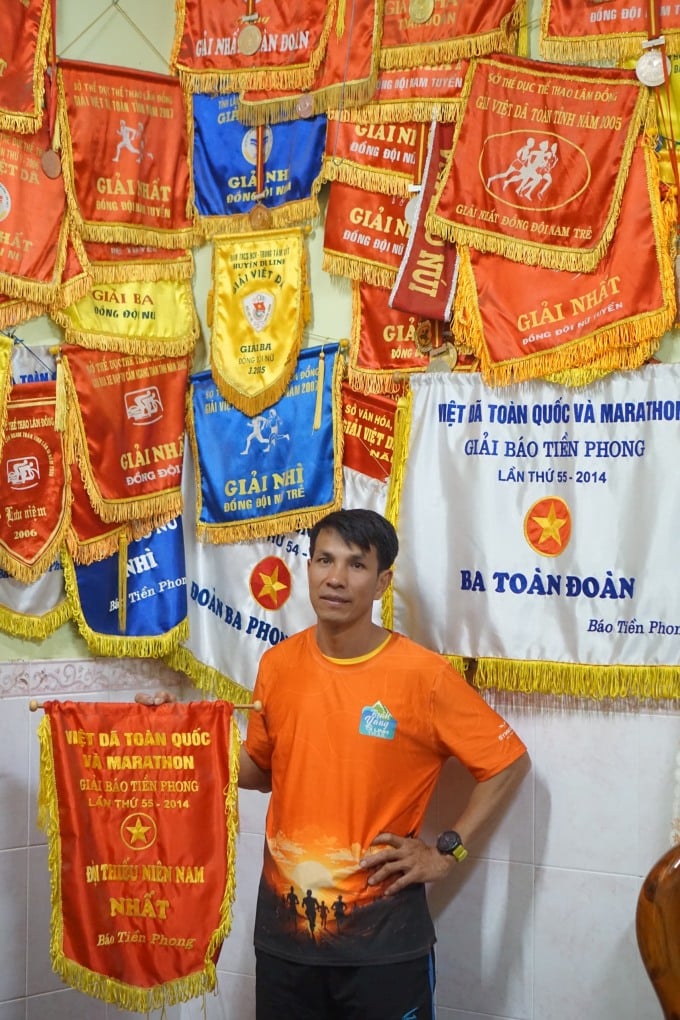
(538, 924)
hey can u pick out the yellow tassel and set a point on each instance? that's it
(122, 580)
(402, 434)
(340, 23)
(60, 406)
(318, 407)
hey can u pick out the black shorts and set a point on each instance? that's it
(298, 991)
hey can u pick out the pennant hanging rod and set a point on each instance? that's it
(255, 706)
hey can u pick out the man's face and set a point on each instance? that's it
(344, 580)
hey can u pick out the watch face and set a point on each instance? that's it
(448, 841)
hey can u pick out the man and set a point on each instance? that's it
(356, 725)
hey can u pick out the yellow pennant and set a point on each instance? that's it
(260, 308)
(152, 317)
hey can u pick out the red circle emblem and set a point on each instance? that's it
(547, 526)
(270, 583)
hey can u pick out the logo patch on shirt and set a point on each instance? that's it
(376, 721)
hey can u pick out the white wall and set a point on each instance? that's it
(539, 923)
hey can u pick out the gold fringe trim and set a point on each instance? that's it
(402, 435)
(499, 40)
(125, 996)
(419, 110)
(609, 48)
(108, 644)
(244, 531)
(284, 108)
(621, 359)
(20, 123)
(17, 311)
(374, 382)
(110, 233)
(148, 272)
(252, 404)
(137, 345)
(71, 291)
(35, 628)
(459, 663)
(92, 550)
(356, 268)
(283, 79)
(384, 182)
(27, 573)
(292, 214)
(579, 680)
(206, 678)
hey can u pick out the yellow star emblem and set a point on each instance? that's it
(271, 586)
(550, 526)
(138, 831)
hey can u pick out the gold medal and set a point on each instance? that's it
(249, 40)
(260, 217)
(305, 106)
(420, 11)
(51, 164)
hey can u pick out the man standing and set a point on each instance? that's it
(356, 725)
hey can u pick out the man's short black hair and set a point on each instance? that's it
(364, 528)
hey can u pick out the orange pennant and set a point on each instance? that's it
(125, 159)
(232, 46)
(539, 161)
(435, 32)
(385, 342)
(36, 507)
(24, 34)
(365, 234)
(538, 322)
(130, 431)
(347, 77)
(139, 808)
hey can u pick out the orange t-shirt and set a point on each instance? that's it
(355, 748)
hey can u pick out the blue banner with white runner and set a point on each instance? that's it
(227, 156)
(274, 472)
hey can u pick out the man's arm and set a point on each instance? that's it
(412, 860)
(251, 776)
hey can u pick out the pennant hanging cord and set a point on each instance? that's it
(115, 6)
(17, 340)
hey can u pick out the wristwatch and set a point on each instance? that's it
(450, 844)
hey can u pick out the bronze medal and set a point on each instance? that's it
(260, 217)
(420, 11)
(51, 164)
(305, 106)
(249, 40)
